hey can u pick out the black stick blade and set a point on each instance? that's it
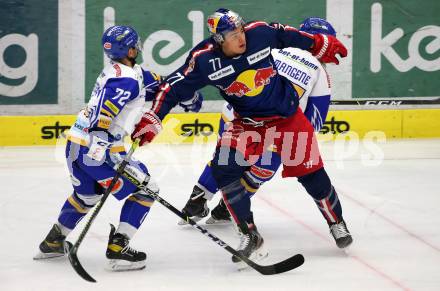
(73, 258)
(281, 267)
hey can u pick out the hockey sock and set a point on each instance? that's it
(262, 171)
(330, 207)
(207, 182)
(318, 185)
(75, 208)
(238, 201)
(228, 174)
(135, 209)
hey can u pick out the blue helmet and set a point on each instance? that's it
(117, 39)
(316, 25)
(222, 21)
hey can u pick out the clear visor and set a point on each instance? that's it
(138, 45)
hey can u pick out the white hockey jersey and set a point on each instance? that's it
(306, 73)
(310, 80)
(116, 104)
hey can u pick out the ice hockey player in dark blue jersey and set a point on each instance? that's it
(312, 83)
(237, 60)
(95, 148)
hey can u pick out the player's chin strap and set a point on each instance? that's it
(72, 253)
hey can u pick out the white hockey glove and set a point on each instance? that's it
(194, 104)
(136, 176)
(142, 180)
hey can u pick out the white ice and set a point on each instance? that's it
(390, 194)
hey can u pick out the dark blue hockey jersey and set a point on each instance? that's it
(249, 82)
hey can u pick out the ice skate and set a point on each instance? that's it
(121, 256)
(196, 208)
(251, 245)
(220, 214)
(53, 245)
(341, 234)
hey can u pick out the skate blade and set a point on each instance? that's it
(195, 219)
(217, 221)
(347, 250)
(122, 265)
(256, 256)
(346, 245)
(46, 256)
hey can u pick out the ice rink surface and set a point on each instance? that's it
(390, 194)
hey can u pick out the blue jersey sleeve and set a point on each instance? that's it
(288, 36)
(182, 83)
(316, 110)
(116, 93)
(151, 84)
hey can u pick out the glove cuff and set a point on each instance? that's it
(190, 101)
(320, 46)
(153, 119)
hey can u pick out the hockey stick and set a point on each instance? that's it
(281, 267)
(73, 258)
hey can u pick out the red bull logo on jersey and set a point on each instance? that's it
(251, 82)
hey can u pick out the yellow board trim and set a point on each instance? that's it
(422, 123)
(404, 123)
(76, 140)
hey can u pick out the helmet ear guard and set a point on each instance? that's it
(218, 38)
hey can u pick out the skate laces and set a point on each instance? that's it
(339, 230)
(244, 241)
(128, 250)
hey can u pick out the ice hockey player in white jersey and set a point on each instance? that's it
(312, 84)
(95, 148)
